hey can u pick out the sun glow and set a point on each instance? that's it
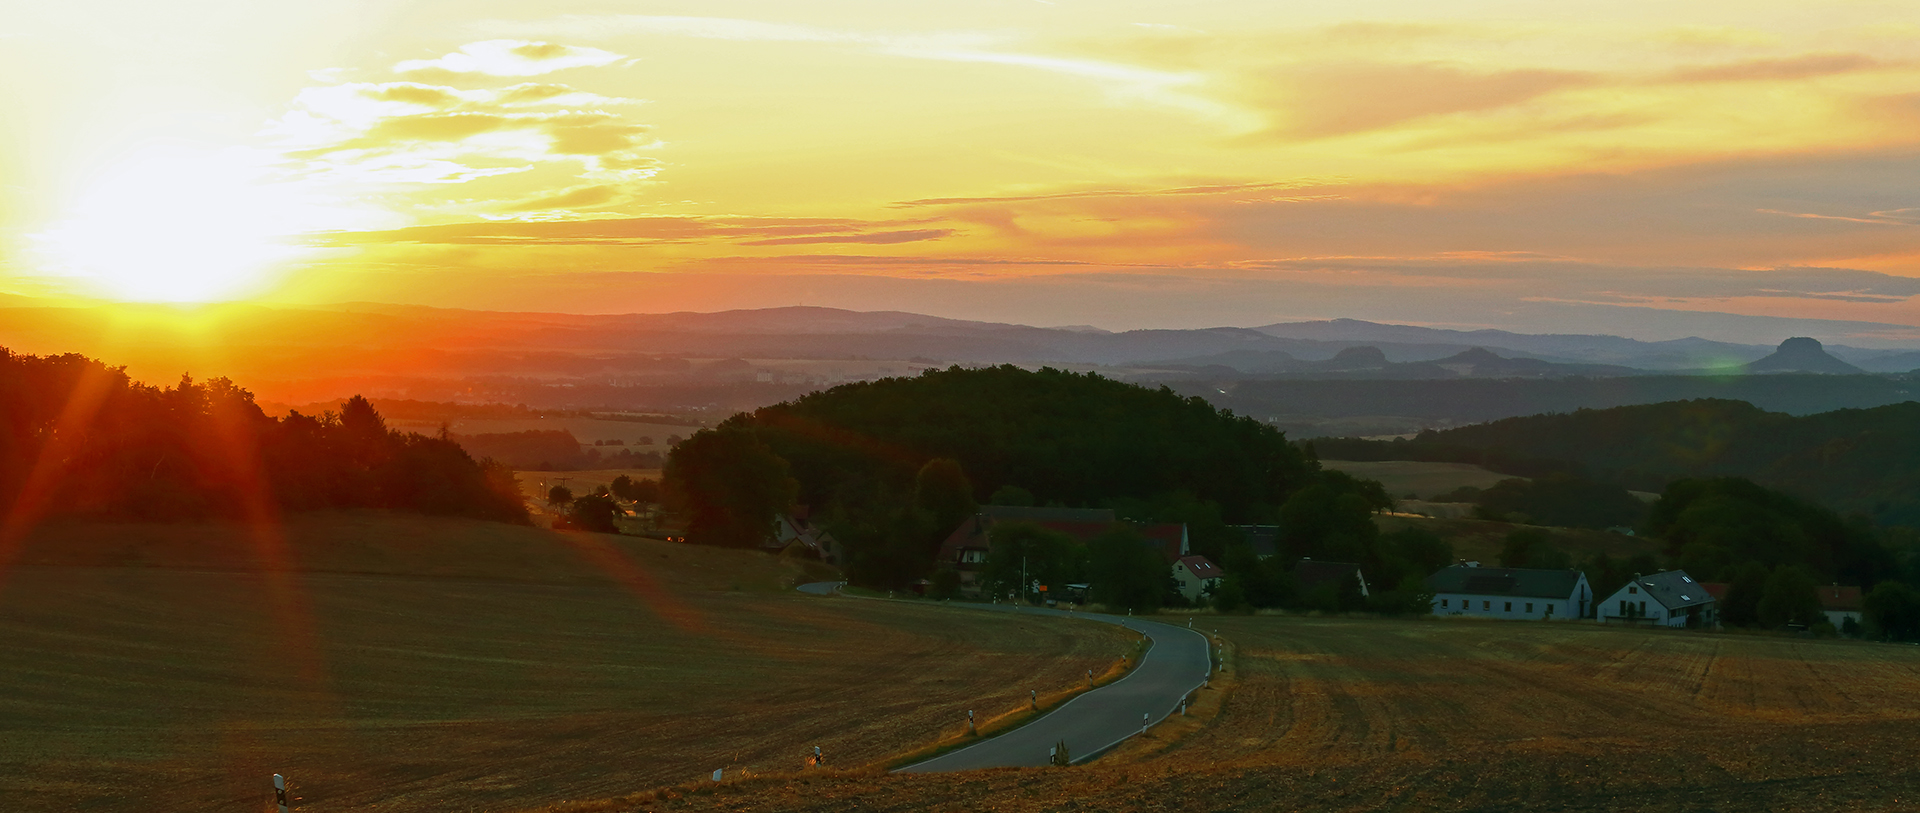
(178, 225)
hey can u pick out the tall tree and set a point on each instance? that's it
(728, 486)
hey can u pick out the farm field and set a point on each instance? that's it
(1366, 715)
(534, 484)
(1401, 477)
(393, 662)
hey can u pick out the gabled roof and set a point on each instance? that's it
(1309, 574)
(1839, 598)
(1201, 567)
(1674, 589)
(1504, 581)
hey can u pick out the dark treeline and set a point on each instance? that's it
(1475, 400)
(79, 437)
(1863, 461)
(892, 466)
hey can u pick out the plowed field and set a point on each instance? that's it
(1367, 715)
(413, 664)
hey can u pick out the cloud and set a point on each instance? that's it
(877, 238)
(1805, 66)
(750, 231)
(512, 58)
(1201, 189)
(1318, 101)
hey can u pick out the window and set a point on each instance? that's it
(1632, 589)
(1549, 611)
(1643, 608)
(1509, 607)
(1486, 605)
(1529, 607)
(1443, 604)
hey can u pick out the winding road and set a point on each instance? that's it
(1090, 724)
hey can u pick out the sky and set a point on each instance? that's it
(1651, 169)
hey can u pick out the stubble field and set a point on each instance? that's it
(1371, 715)
(416, 664)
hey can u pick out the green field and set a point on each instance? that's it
(1403, 477)
(388, 662)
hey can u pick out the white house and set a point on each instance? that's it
(1840, 604)
(1510, 592)
(1670, 599)
(1196, 574)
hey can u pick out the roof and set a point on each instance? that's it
(1265, 539)
(1170, 538)
(1201, 567)
(1674, 589)
(1309, 574)
(1520, 582)
(1839, 598)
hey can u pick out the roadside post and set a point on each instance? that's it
(1033, 699)
(970, 721)
(280, 792)
(716, 774)
(1144, 717)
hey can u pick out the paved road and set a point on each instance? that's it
(1093, 722)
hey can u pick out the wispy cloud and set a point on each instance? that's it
(512, 58)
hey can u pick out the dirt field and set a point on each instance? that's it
(1402, 477)
(406, 663)
(1382, 715)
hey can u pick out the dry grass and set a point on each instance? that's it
(1379, 715)
(404, 663)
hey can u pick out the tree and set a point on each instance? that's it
(1125, 571)
(943, 491)
(594, 512)
(1790, 598)
(1533, 548)
(622, 487)
(1892, 611)
(1025, 550)
(1011, 494)
(728, 486)
(1741, 607)
(560, 496)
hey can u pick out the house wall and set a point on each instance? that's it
(1191, 586)
(1657, 614)
(1837, 617)
(1484, 606)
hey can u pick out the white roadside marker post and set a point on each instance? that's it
(1144, 716)
(1033, 699)
(1089, 678)
(716, 774)
(280, 792)
(970, 721)
(817, 758)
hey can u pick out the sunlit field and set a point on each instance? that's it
(431, 664)
(1375, 715)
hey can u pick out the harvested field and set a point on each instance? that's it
(405, 663)
(1368, 715)
(586, 430)
(1401, 477)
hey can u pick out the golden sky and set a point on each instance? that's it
(1610, 166)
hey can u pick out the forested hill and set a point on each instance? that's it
(79, 437)
(1853, 460)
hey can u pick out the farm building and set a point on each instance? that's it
(1670, 599)
(1841, 604)
(1510, 592)
(1264, 539)
(794, 528)
(1196, 575)
(1309, 575)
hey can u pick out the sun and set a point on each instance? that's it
(176, 225)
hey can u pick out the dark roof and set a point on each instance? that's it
(1201, 567)
(1265, 539)
(1839, 598)
(1309, 574)
(1674, 589)
(1504, 581)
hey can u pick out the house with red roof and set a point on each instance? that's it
(1840, 603)
(1197, 576)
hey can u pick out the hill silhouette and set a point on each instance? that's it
(1801, 355)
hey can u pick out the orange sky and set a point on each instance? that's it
(1127, 164)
